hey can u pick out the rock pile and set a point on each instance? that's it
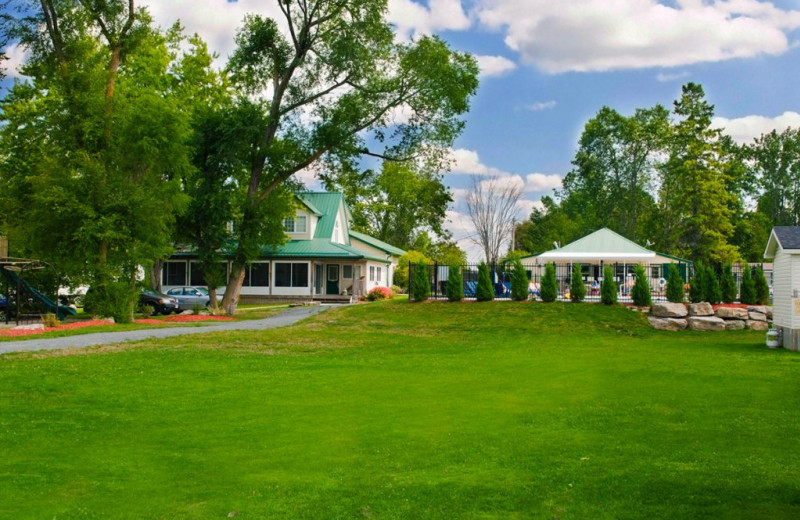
(701, 316)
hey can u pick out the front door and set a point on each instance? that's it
(332, 287)
(319, 277)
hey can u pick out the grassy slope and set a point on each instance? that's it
(395, 410)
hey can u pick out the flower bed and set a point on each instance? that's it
(68, 326)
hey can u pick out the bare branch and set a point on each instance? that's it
(492, 208)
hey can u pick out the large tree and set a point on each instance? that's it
(775, 162)
(329, 77)
(492, 208)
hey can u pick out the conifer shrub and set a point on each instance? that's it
(548, 291)
(641, 288)
(761, 287)
(697, 287)
(577, 291)
(455, 283)
(519, 282)
(484, 291)
(727, 284)
(711, 289)
(747, 291)
(608, 289)
(420, 284)
(675, 292)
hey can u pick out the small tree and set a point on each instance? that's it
(747, 291)
(455, 283)
(549, 289)
(761, 287)
(577, 291)
(728, 284)
(641, 289)
(697, 289)
(519, 282)
(485, 291)
(608, 289)
(420, 284)
(675, 292)
(711, 289)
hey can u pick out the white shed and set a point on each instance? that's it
(784, 247)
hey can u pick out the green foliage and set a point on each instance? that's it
(50, 320)
(401, 273)
(115, 300)
(711, 289)
(485, 289)
(675, 292)
(608, 289)
(577, 290)
(548, 290)
(761, 287)
(455, 283)
(697, 287)
(640, 293)
(421, 284)
(727, 284)
(747, 289)
(519, 282)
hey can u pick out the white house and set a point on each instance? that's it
(783, 247)
(322, 260)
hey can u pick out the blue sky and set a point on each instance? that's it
(549, 65)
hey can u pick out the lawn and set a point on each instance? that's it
(397, 410)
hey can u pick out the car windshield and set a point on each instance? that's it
(202, 290)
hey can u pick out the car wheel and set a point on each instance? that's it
(165, 312)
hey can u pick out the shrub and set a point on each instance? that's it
(747, 291)
(455, 283)
(641, 289)
(711, 290)
(761, 287)
(608, 289)
(116, 300)
(675, 292)
(50, 320)
(380, 293)
(549, 287)
(485, 291)
(197, 309)
(401, 273)
(519, 282)
(577, 291)
(397, 289)
(420, 285)
(727, 284)
(697, 287)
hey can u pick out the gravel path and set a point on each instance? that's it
(283, 319)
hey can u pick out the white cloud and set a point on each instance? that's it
(412, 19)
(602, 35)
(664, 77)
(745, 129)
(542, 182)
(541, 105)
(468, 162)
(526, 206)
(16, 58)
(494, 65)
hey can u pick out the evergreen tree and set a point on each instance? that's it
(675, 292)
(761, 287)
(697, 288)
(748, 287)
(455, 283)
(421, 284)
(485, 291)
(519, 282)
(727, 284)
(549, 289)
(711, 289)
(577, 291)
(608, 289)
(641, 289)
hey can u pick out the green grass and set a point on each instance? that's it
(397, 410)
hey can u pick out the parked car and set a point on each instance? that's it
(189, 297)
(161, 303)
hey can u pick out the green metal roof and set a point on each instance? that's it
(327, 204)
(604, 241)
(310, 206)
(378, 244)
(314, 248)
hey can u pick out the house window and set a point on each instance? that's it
(372, 273)
(291, 275)
(378, 278)
(347, 271)
(288, 225)
(294, 225)
(174, 273)
(259, 274)
(197, 277)
(655, 271)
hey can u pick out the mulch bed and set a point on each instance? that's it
(180, 318)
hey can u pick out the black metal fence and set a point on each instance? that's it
(591, 274)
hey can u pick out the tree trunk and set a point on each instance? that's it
(233, 290)
(155, 275)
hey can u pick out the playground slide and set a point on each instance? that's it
(60, 310)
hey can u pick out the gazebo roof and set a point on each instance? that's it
(603, 244)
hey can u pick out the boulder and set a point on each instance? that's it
(706, 323)
(672, 324)
(757, 308)
(735, 324)
(757, 325)
(669, 310)
(701, 309)
(757, 316)
(769, 312)
(731, 313)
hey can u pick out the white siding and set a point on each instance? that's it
(782, 288)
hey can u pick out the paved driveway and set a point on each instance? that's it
(283, 319)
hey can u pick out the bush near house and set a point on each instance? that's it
(697, 291)
(455, 283)
(711, 288)
(761, 287)
(747, 291)
(727, 284)
(380, 293)
(548, 291)
(577, 291)
(420, 285)
(640, 294)
(675, 292)
(608, 289)
(485, 290)
(519, 282)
